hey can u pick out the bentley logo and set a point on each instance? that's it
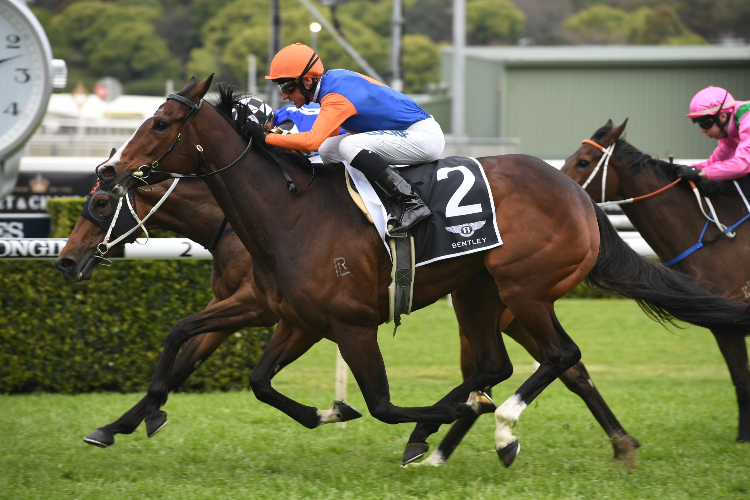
(466, 230)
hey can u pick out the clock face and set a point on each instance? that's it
(24, 76)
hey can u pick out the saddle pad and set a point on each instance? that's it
(458, 194)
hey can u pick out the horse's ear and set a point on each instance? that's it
(609, 123)
(190, 84)
(201, 89)
(613, 134)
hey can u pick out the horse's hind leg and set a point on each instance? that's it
(484, 360)
(734, 350)
(578, 381)
(197, 350)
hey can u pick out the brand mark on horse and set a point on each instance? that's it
(466, 230)
(340, 264)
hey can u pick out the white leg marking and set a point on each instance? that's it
(506, 417)
(436, 459)
(329, 416)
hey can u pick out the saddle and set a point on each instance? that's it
(463, 219)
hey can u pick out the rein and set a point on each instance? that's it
(143, 172)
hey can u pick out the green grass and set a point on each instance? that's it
(670, 390)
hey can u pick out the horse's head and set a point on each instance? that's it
(158, 139)
(588, 164)
(79, 256)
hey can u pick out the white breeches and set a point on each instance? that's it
(423, 142)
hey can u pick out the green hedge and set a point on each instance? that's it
(107, 334)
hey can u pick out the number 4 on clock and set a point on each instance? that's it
(12, 109)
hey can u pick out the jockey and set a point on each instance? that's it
(385, 127)
(721, 117)
(290, 120)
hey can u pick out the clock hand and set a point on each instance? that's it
(9, 58)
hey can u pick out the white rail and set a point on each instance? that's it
(182, 248)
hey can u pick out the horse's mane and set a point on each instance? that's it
(230, 99)
(637, 161)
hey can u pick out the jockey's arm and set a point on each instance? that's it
(727, 166)
(334, 110)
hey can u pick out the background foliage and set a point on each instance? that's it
(107, 334)
(145, 42)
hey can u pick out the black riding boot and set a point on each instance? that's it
(377, 169)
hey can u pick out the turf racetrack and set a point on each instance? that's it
(671, 391)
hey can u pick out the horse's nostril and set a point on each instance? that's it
(107, 172)
(64, 263)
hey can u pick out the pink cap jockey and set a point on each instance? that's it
(731, 158)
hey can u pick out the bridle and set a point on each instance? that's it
(608, 152)
(144, 171)
(103, 247)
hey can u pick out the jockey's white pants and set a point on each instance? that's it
(423, 142)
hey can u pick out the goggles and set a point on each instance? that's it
(287, 86)
(705, 122)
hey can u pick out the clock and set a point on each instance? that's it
(27, 72)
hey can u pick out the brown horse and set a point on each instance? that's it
(554, 239)
(192, 212)
(671, 222)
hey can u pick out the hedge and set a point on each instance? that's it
(107, 334)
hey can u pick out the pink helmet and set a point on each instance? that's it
(709, 100)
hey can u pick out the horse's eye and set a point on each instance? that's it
(101, 203)
(160, 125)
(583, 163)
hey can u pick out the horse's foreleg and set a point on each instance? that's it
(227, 315)
(484, 362)
(734, 350)
(286, 345)
(197, 350)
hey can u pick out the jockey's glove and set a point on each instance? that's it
(688, 173)
(253, 130)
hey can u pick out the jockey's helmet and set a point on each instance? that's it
(710, 101)
(296, 61)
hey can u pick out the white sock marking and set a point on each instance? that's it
(506, 418)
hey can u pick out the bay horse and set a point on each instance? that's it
(554, 238)
(671, 222)
(192, 212)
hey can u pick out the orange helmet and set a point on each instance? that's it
(296, 61)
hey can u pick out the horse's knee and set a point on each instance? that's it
(261, 386)
(179, 331)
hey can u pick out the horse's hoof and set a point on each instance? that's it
(100, 438)
(155, 425)
(624, 446)
(508, 454)
(743, 440)
(345, 412)
(414, 451)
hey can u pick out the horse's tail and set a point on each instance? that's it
(663, 294)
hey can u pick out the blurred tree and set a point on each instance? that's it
(660, 25)
(598, 24)
(432, 18)
(420, 62)
(494, 22)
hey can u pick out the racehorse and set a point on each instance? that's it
(672, 222)
(554, 238)
(192, 212)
